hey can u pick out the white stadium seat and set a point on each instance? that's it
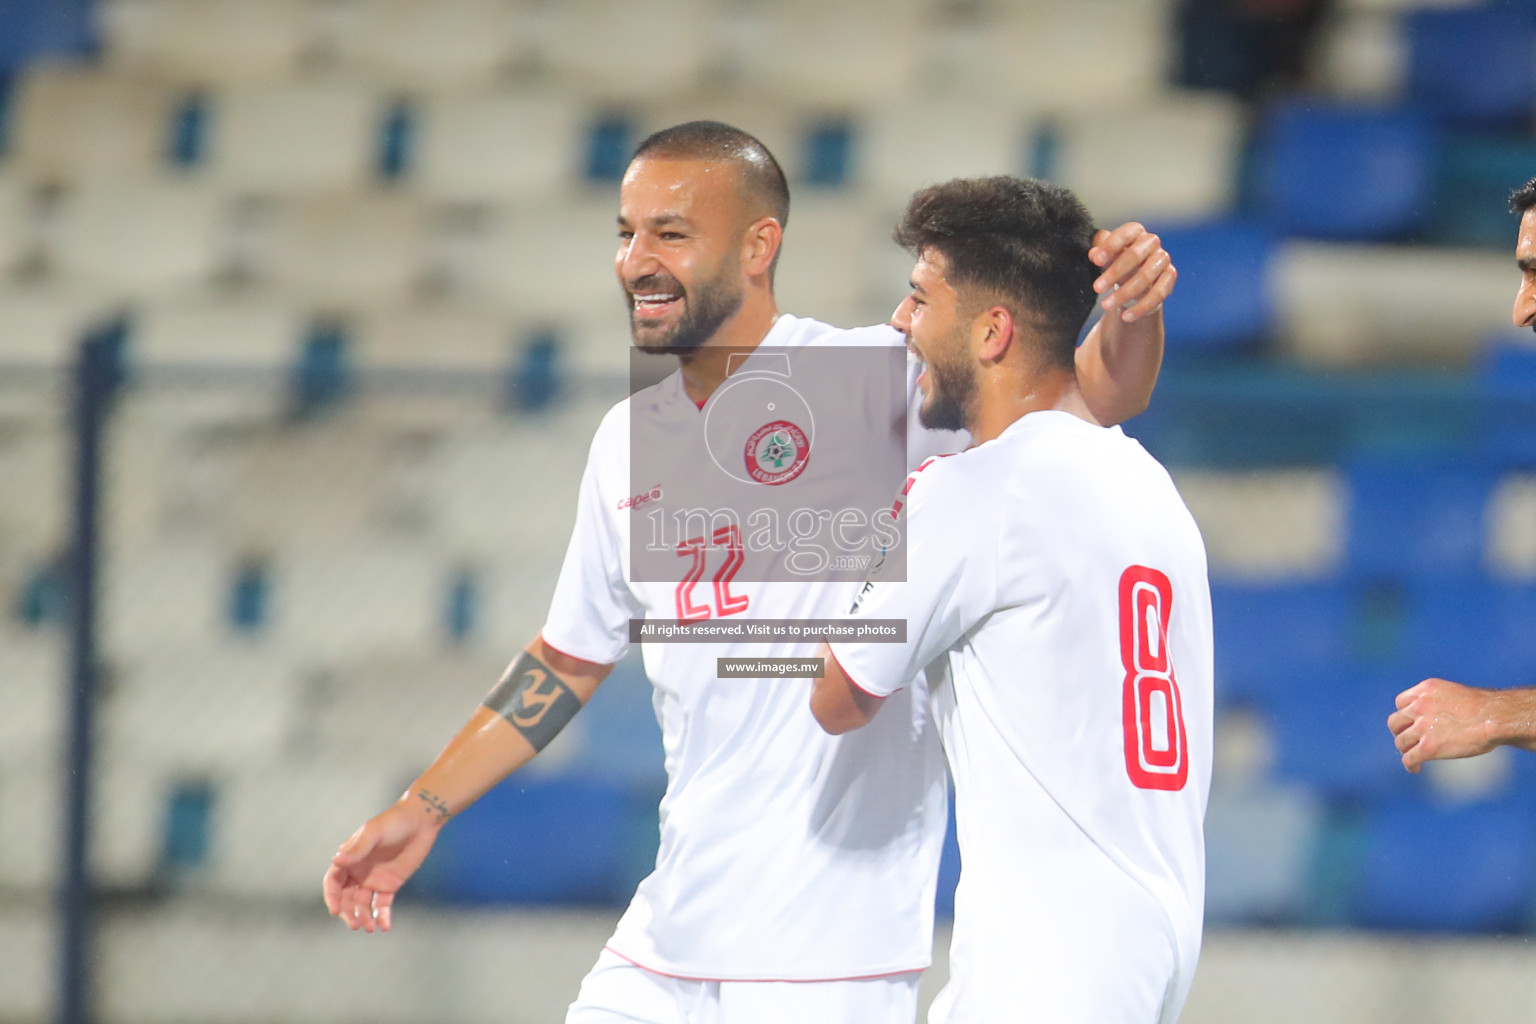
(215, 330)
(905, 144)
(372, 595)
(34, 504)
(1059, 55)
(1190, 174)
(75, 124)
(164, 595)
(439, 46)
(133, 239)
(1363, 305)
(34, 683)
(1363, 55)
(434, 337)
(813, 52)
(838, 262)
(16, 226)
(348, 251)
(590, 46)
(506, 147)
(1512, 528)
(553, 263)
(42, 324)
(1275, 525)
(286, 139)
(209, 41)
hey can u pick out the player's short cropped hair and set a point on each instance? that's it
(717, 141)
(1017, 241)
(1523, 198)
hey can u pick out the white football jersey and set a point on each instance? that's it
(786, 854)
(1057, 607)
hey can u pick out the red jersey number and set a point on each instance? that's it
(726, 603)
(1156, 745)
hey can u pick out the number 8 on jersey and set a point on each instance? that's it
(1156, 746)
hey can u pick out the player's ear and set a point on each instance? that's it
(761, 245)
(994, 326)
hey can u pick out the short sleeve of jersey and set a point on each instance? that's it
(951, 581)
(589, 615)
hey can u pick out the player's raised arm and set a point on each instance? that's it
(1439, 719)
(1118, 363)
(537, 697)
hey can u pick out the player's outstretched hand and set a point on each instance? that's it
(1138, 273)
(1440, 719)
(374, 863)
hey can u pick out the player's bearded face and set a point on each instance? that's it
(690, 316)
(949, 401)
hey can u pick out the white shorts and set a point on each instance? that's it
(619, 992)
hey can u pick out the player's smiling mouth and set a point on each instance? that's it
(651, 305)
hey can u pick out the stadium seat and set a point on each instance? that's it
(588, 47)
(804, 51)
(1512, 528)
(1474, 177)
(162, 595)
(542, 841)
(73, 124)
(1434, 867)
(433, 337)
(293, 139)
(1271, 637)
(34, 672)
(1330, 733)
(1346, 172)
(1362, 55)
(16, 214)
(834, 253)
(1034, 51)
(1479, 633)
(1476, 65)
(31, 856)
(1359, 306)
(317, 801)
(127, 241)
(347, 252)
(783, 127)
(962, 138)
(242, 330)
(1259, 844)
(1224, 297)
(510, 147)
(34, 459)
(209, 41)
(348, 599)
(43, 324)
(1267, 526)
(549, 263)
(1417, 521)
(1190, 175)
(1506, 385)
(444, 46)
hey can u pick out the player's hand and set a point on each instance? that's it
(375, 862)
(1138, 273)
(1440, 719)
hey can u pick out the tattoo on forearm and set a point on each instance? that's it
(437, 805)
(534, 700)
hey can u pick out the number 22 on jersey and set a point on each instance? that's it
(1156, 746)
(726, 603)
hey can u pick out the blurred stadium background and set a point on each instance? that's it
(345, 269)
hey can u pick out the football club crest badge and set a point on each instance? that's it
(777, 452)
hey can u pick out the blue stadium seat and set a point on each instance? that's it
(1331, 734)
(1507, 393)
(1269, 636)
(1223, 296)
(1482, 633)
(1435, 867)
(1474, 175)
(1473, 65)
(1347, 172)
(1417, 520)
(543, 841)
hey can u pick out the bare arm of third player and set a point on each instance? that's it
(539, 694)
(1439, 719)
(1117, 363)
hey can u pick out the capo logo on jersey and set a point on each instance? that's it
(777, 452)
